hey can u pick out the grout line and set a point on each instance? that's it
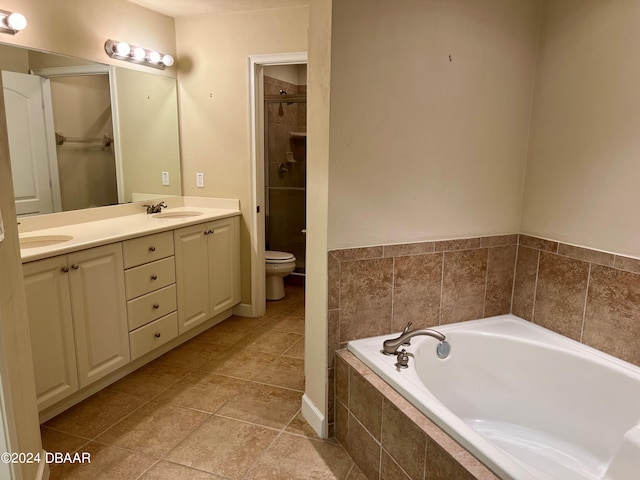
(486, 285)
(535, 289)
(513, 282)
(441, 287)
(393, 291)
(586, 297)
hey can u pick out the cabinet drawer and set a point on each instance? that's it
(151, 306)
(151, 336)
(149, 277)
(138, 251)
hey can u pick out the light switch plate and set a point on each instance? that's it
(200, 180)
(165, 178)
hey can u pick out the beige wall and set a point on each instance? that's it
(214, 100)
(583, 169)
(424, 147)
(80, 28)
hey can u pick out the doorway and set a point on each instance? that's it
(285, 154)
(257, 65)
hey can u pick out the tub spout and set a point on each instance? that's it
(390, 347)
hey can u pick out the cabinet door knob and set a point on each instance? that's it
(65, 269)
(75, 266)
(156, 306)
(154, 277)
(152, 249)
(157, 335)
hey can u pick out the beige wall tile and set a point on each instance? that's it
(457, 244)
(363, 448)
(363, 253)
(333, 296)
(613, 309)
(586, 254)
(524, 288)
(416, 290)
(342, 380)
(561, 294)
(342, 423)
(391, 470)
(538, 243)
(365, 298)
(442, 466)
(463, 285)
(500, 269)
(365, 402)
(333, 333)
(404, 441)
(499, 240)
(409, 249)
(628, 264)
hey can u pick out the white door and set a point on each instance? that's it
(26, 126)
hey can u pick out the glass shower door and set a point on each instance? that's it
(285, 179)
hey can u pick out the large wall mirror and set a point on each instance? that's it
(85, 135)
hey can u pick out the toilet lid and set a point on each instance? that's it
(274, 256)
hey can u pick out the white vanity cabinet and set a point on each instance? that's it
(151, 292)
(207, 270)
(77, 320)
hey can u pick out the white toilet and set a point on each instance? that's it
(277, 266)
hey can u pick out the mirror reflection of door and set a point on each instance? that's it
(86, 161)
(30, 159)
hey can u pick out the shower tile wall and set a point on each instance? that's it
(286, 181)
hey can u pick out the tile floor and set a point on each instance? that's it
(225, 405)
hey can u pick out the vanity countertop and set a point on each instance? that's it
(90, 234)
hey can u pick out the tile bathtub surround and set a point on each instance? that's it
(407, 446)
(588, 295)
(221, 406)
(377, 290)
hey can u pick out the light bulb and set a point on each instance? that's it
(139, 53)
(16, 21)
(154, 57)
(167, 60)
(123, 49)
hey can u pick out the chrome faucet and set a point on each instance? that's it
(390, 346)
(155, 208)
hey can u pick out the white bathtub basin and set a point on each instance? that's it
(528, 403)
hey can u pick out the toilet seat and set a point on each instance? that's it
(272, 256)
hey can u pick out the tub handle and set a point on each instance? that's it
(402, 359)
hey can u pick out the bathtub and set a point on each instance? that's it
(527, 402)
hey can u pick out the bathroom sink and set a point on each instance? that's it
(43, 240)
(179, 214)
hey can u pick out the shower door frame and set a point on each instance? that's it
(257, 212)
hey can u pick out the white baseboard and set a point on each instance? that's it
(43, 468)
(314, 417)
(243, 310)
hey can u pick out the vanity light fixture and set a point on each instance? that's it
(139, 55)
(12, 22)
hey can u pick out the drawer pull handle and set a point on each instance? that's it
(65, 269)
(157, 335)
(75, 266)
(154, 277)
(156, 306)
(152, 249)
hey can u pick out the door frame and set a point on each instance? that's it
(75, 71)
(256, 120)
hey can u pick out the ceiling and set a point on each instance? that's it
(187, 8)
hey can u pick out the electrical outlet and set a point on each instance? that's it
(165, 178)
(200, 180)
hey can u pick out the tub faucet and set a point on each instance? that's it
(155, 208)
(390, 347)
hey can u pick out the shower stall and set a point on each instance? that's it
(285, 107)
